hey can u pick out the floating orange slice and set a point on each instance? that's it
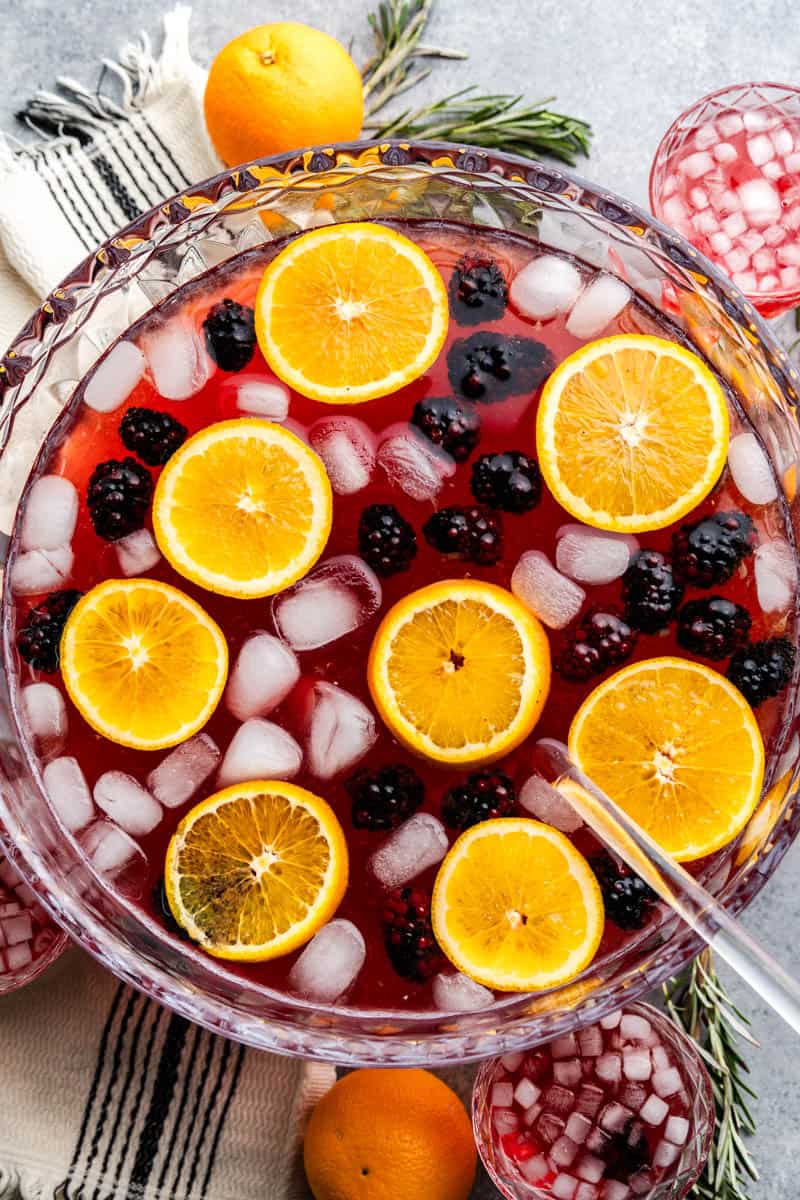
(351, 312)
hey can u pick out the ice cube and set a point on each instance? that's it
(699, 199)
(615, 1117)
(609, 1068)
(776, 575)
(113, 379)
(789, 254)
(724, 152)
(537, 796)
(17, 929)
(564, 1047)
(330, 962)
(412, 463)
(567, 1071)
(109, 848)
(551, 596)
(792, 164)
(593, 556)
(706, 222)
(45, 714)
(675, 212)
(764, 260)
(502, 1095)
(614, 1190)
(596, 307)
(504, 1120)
(634, 1028)
(559, 1100)
(705, 135)
(37, 571)
(669, 185)
(563, 1151)
(137, 553)
(336, 598)
(69, 793)
(51, 513)
(530, 1114)
(260, 750)
(589, 1099)
(696, 165)
(545, 287)
(666, 1083)
(341, 730)
(661, 1060)
(746, 281)
(578, 1128)
(262, 398)
(633, 1095)
(665, 1154)
(125, 801)
(653, 1110)
(346, 446)
(720, 243)
(459, 993)
(612, 1020)
(751, 470)
(773, 170)
(178, 776)
(774, 234)
(736, 261)
(760, 149)
(676, 1130)
(734, 225)
(534, 1169)
(768, 283)
(590, 1041)
(512, 1062)
(563, 1187)
(790, 276)
(177, 359)
(590, 1168)
(760, 201)
(18, 957)
(549, 1127)
(586, 1191)
(729, 124)
(419, 843)
(264, 673)
(526, 1093)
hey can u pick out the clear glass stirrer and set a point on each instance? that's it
(689, 899)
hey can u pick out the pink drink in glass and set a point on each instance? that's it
(29, 941)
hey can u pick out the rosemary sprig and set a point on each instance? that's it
(700, 1005)
(499, 122)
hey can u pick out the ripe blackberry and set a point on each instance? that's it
(230, 334)
(486, 794)
(39, 639)
(386, 540)
(601, 640)
(713, 627)
(650, 591)
(472, 533)
(510, 481)
(627, 899)
(708, 552)
(762, 669)
(408, 935)
(153, 436)
(453, 424)
(119, 494)
(489, 366)
(626, 1152)
(383, 799)
(478, 291)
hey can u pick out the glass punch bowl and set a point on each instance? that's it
(212, 223)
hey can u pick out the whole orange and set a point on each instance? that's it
(281, 87)
(390, 1135)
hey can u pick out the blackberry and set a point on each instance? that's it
(408, 935)
(510, 481)
(472, 533)
(119, 494)
(762, 669)
(383, 799)
(626, 1152)
(39, 639)
(627, 899)
(478, 291)
(650, 591)
(489, 366)
(486, 794)
(386, 540)
(453, 424)
(708, 552)
(601, 640)
(230, 334)
(153, 436)
(713, 627)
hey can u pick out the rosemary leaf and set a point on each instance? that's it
(398, 26)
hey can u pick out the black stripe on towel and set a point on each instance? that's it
(58, 198)
(130, 137)
(119, 193)
(85, 192)
(160, 1100)
(112, 1078)
(203, 1143)
(193, 1126)
(98, 1070)
(168, 155)
(159, 1017)
(212, 1154)
(190, 1085)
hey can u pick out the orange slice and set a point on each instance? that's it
(143, 663)
(516, 907)
(677, 746)
(351, 312)
(632, 433)
(243, 508)
(255, 870)
(460, 671)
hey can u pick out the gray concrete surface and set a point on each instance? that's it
(627, 66)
